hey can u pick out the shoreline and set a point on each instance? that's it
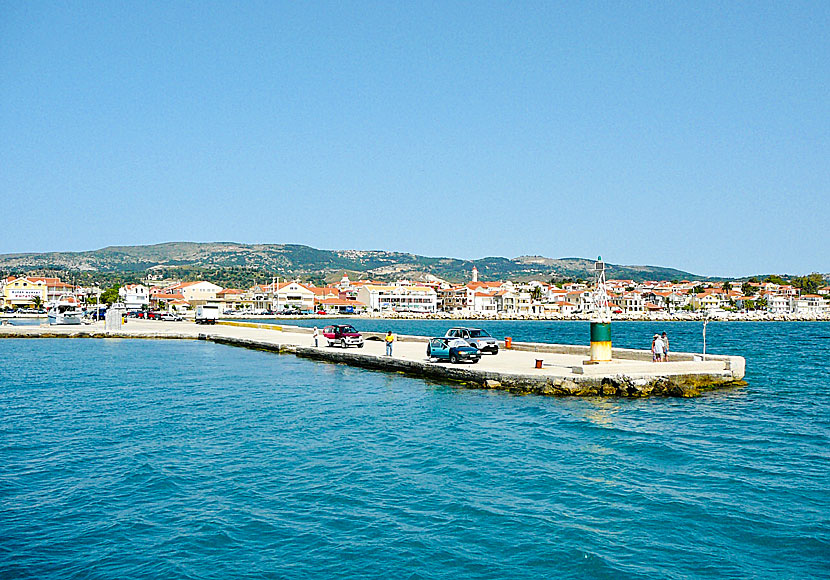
(686, 317)
(530, 318)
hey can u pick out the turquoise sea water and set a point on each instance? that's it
(169, 459)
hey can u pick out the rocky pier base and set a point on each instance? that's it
(528, 368)
(684, 386)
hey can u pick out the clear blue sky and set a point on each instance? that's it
(689, 134)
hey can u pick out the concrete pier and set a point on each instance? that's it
(563, 370)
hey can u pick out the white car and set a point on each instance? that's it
(476, 337)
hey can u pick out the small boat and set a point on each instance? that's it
(64, 311)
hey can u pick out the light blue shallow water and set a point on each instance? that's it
(167, 459)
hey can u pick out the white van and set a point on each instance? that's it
(207, 314)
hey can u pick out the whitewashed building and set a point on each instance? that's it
(633, 302)
(134, 296)
(811, 305)
(196, 293)
(780, 304)
(379, 298)
(484, 303)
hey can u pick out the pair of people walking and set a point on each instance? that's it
(660, 348)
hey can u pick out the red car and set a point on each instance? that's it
(342, 334)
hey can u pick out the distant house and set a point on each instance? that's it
(196, 293)
(484, 303)
(167, 300)
(452, 298)
(56, 289)
(709, 299)
(512, 301)
(339, 306)
(633, 302)
(811, 305)
(233, 299)
(398, 298)
(294, 295)
(281, 296)
(780, 304)
(20, 292)
(134, 296)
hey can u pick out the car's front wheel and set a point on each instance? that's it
(453, 358)
(343, 342)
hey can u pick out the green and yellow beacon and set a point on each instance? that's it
(601, 318)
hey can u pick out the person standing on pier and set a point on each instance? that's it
(656, 349)
(315, 335)
(389, 339)
(665, 339)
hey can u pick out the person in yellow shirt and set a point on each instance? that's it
(389, 339)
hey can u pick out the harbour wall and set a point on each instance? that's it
(681, 379)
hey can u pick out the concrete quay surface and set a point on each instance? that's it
(563, 370)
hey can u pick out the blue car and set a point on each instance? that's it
(454, 350)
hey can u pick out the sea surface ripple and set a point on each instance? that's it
(168, 459)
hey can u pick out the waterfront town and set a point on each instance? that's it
(751, 300)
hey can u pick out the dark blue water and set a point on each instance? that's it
(167, 459)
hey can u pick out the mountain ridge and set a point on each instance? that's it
(296, 260)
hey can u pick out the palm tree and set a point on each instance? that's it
(38, 302)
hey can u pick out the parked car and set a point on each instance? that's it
(476, 337)
(171, 316)
(342, 334)
(97, 313)
(455, 350)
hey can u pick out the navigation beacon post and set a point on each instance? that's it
(601, 318)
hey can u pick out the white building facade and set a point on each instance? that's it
(134, 296)
(380, 298)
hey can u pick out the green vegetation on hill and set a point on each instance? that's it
(240, 265)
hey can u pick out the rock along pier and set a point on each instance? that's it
(526, 368)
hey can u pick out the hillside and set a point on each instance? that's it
(290, 260)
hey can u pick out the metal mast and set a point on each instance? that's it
(600, 319)
(602, 312)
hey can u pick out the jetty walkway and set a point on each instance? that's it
(563, 370)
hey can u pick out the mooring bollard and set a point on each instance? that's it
(508, 342)
(538, 363)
